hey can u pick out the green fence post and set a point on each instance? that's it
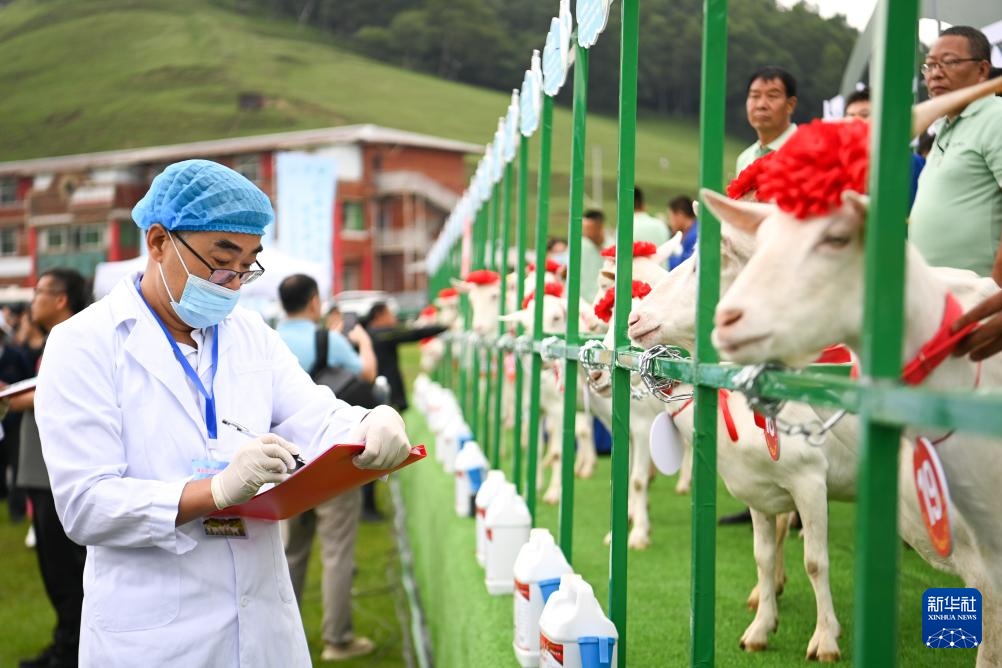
(573, 294)
(480, 236)
(704, 489)
(876, 529)
(542, 224)
(503, 271)
(522, 225)
(618, 558)
(490, 248)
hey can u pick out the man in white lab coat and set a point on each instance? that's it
(130, 401)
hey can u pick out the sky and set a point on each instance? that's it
(857, 13)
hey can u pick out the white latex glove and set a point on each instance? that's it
(386, 443)
(265, 459)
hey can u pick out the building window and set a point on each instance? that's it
(8, 191)
(352, 216)
(73, 238)
(55, 239)
(248, 165)
(91, 237)
(9, 238)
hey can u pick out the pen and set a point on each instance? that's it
(253, 434)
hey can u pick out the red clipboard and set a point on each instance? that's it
(19, 387)
(327, 476)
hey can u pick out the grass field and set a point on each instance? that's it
(469, 628)
(108, 74)
(380, 612)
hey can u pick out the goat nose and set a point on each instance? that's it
(727, 316)
(634, 318)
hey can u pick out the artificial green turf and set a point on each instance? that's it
(470, 628)
(380, 611)
(110, 74)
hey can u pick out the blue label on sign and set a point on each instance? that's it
(951, 618)
(555, 57)
(593, 15)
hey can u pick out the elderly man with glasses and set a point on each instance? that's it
(956, 220)
(131, 395)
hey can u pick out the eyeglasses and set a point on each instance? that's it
(929, 68)
(224, 276)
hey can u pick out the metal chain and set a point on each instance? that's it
(585, 357)
(546, 346)
(815, 432)
(660, 387)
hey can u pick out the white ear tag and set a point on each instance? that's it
(666, 445)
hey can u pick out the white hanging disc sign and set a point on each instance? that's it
(511, 128)
(497, 154)
(593, 16)
(933, 495)
(531, 99)
(557, 50)
(666, 445)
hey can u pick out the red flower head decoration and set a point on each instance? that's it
(482, 277)
(640, 249)
(748, 180)
(448, 293)
(428, 311)
(808, 175)
(552, 289)
(552, 266)
(603, 309)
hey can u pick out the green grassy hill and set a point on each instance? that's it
(108, 74)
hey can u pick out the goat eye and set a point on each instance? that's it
(835, 241)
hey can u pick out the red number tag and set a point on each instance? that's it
(772, 438)
(933, 495)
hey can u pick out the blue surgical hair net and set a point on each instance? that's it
(204, 196)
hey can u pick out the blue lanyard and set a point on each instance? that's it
(210, 399)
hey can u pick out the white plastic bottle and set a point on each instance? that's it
(471, 467)
(507, 525)
(486, 494)
(538, 569)
(574, 631)
(451, 441)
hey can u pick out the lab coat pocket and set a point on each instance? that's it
(136, 588)
(281, 569)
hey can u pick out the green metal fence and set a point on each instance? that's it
(882, 403)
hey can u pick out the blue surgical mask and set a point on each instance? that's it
(203, 303)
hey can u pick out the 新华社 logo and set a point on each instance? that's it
(951, 618)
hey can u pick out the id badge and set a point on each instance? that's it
(224, 527)
(206, 468)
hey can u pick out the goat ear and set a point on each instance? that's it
(856, 205)
(521, 317)
(735, 244)
(745, 216)
(461, 286)
(668, 248)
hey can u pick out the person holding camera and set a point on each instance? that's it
(329, 354)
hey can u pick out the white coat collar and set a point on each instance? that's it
(147, 344)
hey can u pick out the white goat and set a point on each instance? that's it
(551, 400)
(803, 478)
(801, 291)
(642, 414)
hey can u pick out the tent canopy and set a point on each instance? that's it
(978, 13)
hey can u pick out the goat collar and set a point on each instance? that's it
(938, 348)
(722, 397)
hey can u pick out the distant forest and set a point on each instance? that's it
(488, 43)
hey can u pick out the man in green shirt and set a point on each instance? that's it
(772, 97)
(592, 243)
(956, 220)
(645, 226)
